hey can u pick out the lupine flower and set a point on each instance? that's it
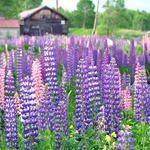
(111, 98)
(124, 81)
(28, 113)
(37, 81)
(83, 107)
(94, 91)
(41, 60)
(71, 60)
(2, 77)
(51, 71)
(17, 103)
(126, 101)
(46, 111)
(0, 124)
(125, 139)
(132, 60)
(61, 119)
(142, 109)
(19, 66)
(11, 133)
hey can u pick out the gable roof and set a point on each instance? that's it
(9, 23)
(27, 13)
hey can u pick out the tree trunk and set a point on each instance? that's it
(57, 5)
(95, 21)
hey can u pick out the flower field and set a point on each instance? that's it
(75, 93)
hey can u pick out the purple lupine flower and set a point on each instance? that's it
(51, 71)
(142, 102)
(11, 133)
(124, 81)
(124, 139)
(71, 60)
(83, 107)
(125, 60)
(94, 90)
(25, 61)
(19, 65)
(28, 113)
(99, 61)
(30, 58)
(119, 57)
(141, 59)
(46, 112)
(111, 97)
(41, 59)
(61, 118)
(132, 61)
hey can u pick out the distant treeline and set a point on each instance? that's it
(116, 15)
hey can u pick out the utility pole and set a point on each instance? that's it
(57, 5)
(95, 21)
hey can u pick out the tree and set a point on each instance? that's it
(11, 8)
(110, 15)
(95, 21)
(85, 13)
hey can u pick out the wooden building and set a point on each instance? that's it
(42, 20)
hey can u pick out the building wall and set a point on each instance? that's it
(9, 32)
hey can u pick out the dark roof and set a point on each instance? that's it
(9, 23)
(27, 13)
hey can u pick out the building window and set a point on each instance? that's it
(62, 21)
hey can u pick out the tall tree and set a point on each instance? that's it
(95, 21)
(110, 15)
(85, 13)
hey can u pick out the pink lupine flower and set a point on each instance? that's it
(126, 101)
(17, 103)
(2, 77)
(37, 80)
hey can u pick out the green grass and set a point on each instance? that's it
(102, 30)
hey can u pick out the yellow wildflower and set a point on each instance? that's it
(107, 138)
(71, 135)
(71, 127)
(101, 123)
(113, 145)
(104, 119)
(76, 141)
(127, 126)
(76, 132)
(113, 134)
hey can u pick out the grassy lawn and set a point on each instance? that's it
(102, 31)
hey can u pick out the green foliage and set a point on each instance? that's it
(84, 15)
(11, 8)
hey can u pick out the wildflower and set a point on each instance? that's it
(107, 138)
(104, 119)
(127, 126)
(71, 135)
(76, 132)
(71, 127)
(113, 134)
(101, 123)
(76, 141)
(113, 145)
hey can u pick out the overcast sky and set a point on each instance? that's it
(71, 4)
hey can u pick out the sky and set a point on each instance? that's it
(71, 4)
